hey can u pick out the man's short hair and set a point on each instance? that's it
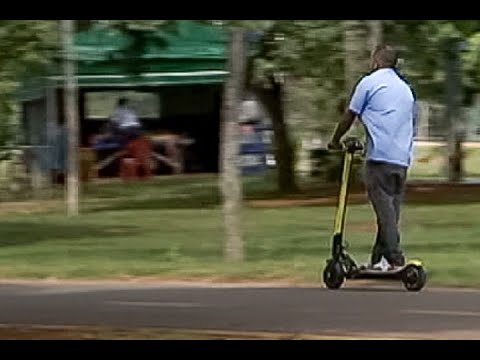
(385, 55)
(122, 101)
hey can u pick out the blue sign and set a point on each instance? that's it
(253, 151)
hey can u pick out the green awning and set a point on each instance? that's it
(189, 52)
(147, 79)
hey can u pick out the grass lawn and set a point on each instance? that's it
(172, 228)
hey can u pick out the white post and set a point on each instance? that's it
(71, 115)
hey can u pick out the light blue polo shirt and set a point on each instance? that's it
(386, 106)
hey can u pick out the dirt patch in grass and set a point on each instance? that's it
(418, 193)
(330, 200)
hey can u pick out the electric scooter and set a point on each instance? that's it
(341, 265)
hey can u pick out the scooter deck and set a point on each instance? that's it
(372, 273)
(394, 273)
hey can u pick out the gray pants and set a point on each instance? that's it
(385, 185)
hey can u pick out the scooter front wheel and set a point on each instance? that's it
(333, 275)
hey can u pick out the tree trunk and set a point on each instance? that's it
(356, 59)
(454, 117)
(71, 116)
(229, 148)
(375, 33)
(273, 98)
(270, 93)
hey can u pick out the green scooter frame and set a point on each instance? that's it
(341, 265)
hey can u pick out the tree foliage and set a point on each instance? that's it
(26, 47)
(310, 53)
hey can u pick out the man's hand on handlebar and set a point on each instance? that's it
(334, 145)
(349, 144)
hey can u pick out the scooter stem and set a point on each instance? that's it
(343, 195)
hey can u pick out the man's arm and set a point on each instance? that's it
(343, 126)
(355, 108)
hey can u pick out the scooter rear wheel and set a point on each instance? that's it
(414, 277)
(333, 275)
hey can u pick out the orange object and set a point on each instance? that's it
(138, 159)
(87, 162)
(128, 169)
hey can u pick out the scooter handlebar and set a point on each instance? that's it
(350, 145)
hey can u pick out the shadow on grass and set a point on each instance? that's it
(208, 198)
(204, 198)
(431, 195)
(193, 202)
(27, 233)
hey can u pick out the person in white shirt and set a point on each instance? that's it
(125, 121)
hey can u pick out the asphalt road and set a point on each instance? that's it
(362, 310)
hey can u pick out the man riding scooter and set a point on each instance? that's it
(386, 105)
